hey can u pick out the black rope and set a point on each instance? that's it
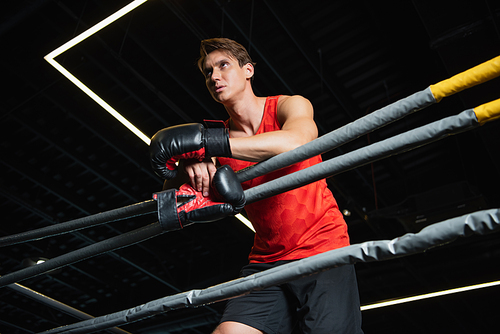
(111, 244)
(130, 211)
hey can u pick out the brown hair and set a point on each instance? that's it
(232, 48)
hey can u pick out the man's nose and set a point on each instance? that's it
(215, 75)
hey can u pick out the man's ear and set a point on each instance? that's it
(249, 70)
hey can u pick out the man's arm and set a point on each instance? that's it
(295, 114)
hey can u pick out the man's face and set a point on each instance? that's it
(225, 79)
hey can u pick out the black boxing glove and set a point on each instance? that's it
(183, 207)
(187, 141)
(227, 188)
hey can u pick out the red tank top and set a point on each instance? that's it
(298, 223)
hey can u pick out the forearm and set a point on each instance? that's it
(263, 146)
(266, 145)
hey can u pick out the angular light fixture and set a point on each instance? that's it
(33, 261)
(50, 58)
(84, 35)
(245, 221)
(429, 295)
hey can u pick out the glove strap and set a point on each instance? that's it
(217, 139)
(167, 210)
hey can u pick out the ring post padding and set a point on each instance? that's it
(467, 79)
(117, 242)
(477, 223)
(488, 112)
(343, 135)
(404, 142)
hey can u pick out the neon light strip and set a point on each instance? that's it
(429, 295)
(245, 221)
(89, 32)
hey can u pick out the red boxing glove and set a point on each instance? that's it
(187, 141)
(180, 208)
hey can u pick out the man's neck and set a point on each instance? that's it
(246, 114)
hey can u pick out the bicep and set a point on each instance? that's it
(296, 115)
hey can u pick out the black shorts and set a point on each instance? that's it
(327, 302)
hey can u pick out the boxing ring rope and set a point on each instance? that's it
(384, 116)
(74, 225)
(111, 244)
(455, 124)
(406, 141)
(377, 119)
(478, 223)
(401, 143)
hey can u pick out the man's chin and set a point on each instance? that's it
(218, 98)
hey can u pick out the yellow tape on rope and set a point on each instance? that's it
(488, 111)
(472, 77)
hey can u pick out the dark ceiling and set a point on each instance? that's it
(63, 157)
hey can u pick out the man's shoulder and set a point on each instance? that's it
(285, 99)
(288, 102)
